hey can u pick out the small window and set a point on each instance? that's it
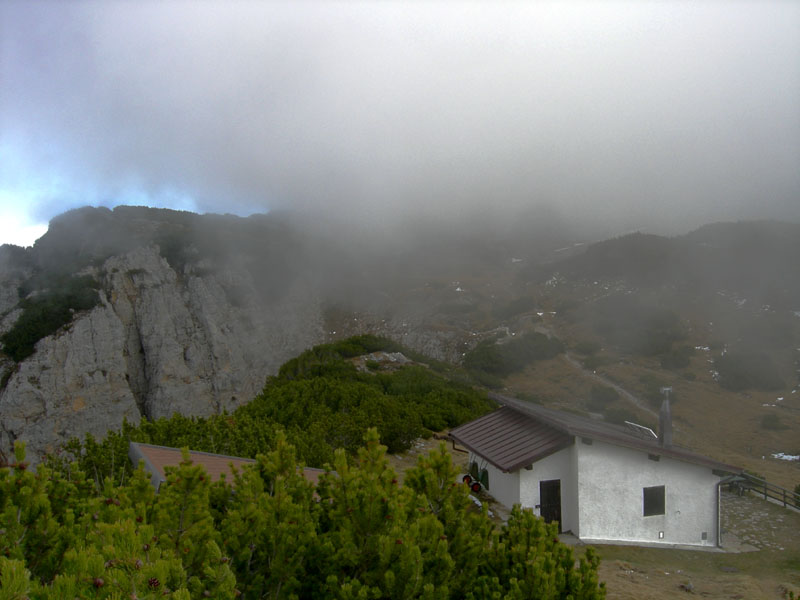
(653, 500)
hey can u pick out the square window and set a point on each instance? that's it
(653, 501)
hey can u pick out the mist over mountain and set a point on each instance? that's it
(615, 116)
(754, 259)
(137, 313)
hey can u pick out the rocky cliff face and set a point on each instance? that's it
(195, 312)
(159, 342)
(13, 272)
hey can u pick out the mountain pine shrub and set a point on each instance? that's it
(270, 534)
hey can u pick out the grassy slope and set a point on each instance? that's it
(768, 567)
(712, 421)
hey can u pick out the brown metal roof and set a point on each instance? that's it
(574, 425)
(157, 457)
(510, 439)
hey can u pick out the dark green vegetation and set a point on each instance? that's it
(740, 371)
(651, 390)
(772, 421)
(601, 396)
(734, 282)
(587, 348)
(678, 357)
(513, 308)
(46, 312)
(85, 238)
(753, 259)
(636, 327)
(318, 399)
(270, 534)
(95, 528)
(490, 360)
(607, 401)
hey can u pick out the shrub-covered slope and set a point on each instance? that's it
(319, 399)
(359, 534)
(95, 529)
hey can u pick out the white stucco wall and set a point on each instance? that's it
(560, 465)
(503, 487)
(610, 482)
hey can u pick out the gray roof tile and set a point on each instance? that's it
(509, 439)
(520, 433)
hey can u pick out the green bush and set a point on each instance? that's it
(677, 358)
(742, 371)
(595, 361)
(587, 348)
(322, 403)
(601, 396)
(503, 359)
(357, 533)
(46, 313)
(629, 323)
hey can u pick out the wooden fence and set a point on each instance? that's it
(770, 491)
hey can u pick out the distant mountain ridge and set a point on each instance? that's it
(192, 312)
(756, 259)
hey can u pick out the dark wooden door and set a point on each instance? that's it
(550, 498)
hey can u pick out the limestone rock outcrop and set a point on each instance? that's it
(159, 342)
(194, 312)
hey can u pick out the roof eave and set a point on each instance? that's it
(578, 431)
(529, 461)
(518, 464)
(478, 452)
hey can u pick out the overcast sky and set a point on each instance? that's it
(659, 116)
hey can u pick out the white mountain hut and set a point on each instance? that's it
(601, 482)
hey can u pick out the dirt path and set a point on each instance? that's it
(421, 447)
(590, 374)
(605, 381)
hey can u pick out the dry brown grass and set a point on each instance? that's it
(401, 462)
(707, 418)
(771, 567)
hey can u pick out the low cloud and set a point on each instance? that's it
(651, 115)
